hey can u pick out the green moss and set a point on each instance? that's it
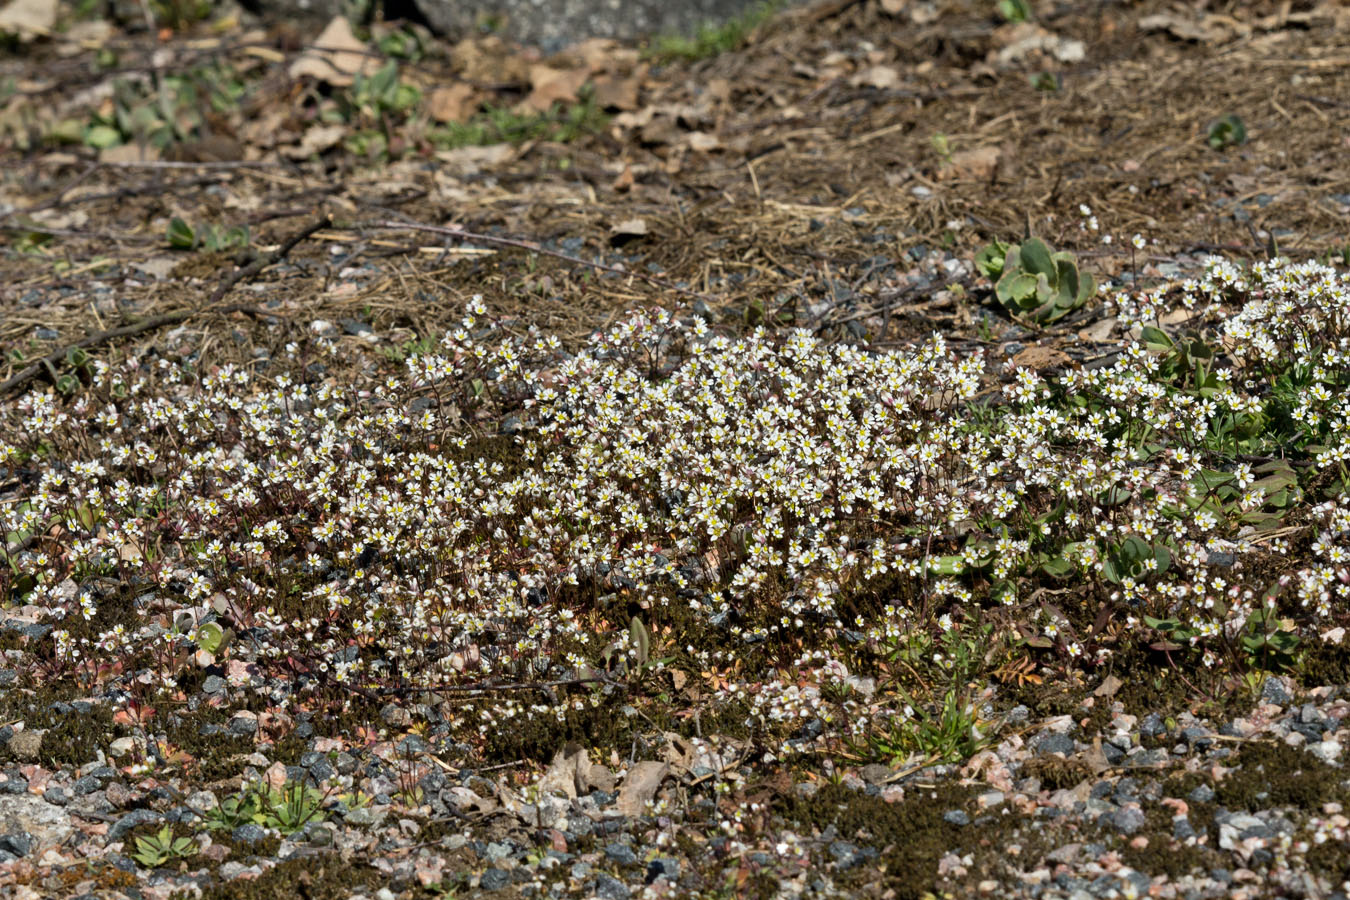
(1271, 774)
(1164, 853)
(911, 833)
(1055, 773)
(1324, 664)
(325, 877)
(72, 737)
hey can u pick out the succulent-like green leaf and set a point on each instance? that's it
(1035, 257)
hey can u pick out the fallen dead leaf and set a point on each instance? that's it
(980, 163)
(627, 231)
(880, 77)
(639, 786)
(488, 61)
(452, 102)
(549, 86)
(336, 56)
(616, 92)
(129, 153)
(1038, 358)
(28, 19)
(315, 140)
(703, 142)
(1209, 29)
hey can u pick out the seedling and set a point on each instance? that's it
(1226, 131)
(157, 849)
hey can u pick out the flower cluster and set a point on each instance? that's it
(483, 515)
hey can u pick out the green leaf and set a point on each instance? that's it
(1155, 338)
(1057, 566)
(101, 137)
(180, 234)
(989, 260)
(641, 640)
(946, 565)
(1035, 257)
(1014, 286)
(210, 636)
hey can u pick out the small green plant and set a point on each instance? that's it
(942, 147)
(209, 237)
(1226, 131)
(1034, 283)
(288, 808)
(1014, 11)
(951, 734)
(157, 849)
(500, 124)
(1046, 82)
(713, 40)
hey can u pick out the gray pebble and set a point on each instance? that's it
(248, 834)
(494, 879)
(1127, 820)
(621, 854)
(611, 888)
(1055, 743)
(131, 820)
(1274, 691)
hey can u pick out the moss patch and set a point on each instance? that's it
(910, 834)
(324, 877)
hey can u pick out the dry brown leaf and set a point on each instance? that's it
(1038, 358)
(1205, 30)
(316, 139)
(616, 92)
(28, 19)
(126, 153)
(627, 230)
(488, 61)
(549, 85)
(336, 56)
(452, 102)
(639, 786)
(465, 161)
(882, 78)
(980, 164)
(703, 142)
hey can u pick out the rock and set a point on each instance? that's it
(1274, 691)
(956, 817)
(26, 745)
(875, 773)
(1127, 820)
(1152, 725)
(663, 867)
(621, 854)
(494, 879)
(610, 888)
(1056, 743)
(395, 716)
(1327, 751)
(120, 748)
(248, 834)
(18, 843)
(244, 725)
(1202, 794)
(131, 820)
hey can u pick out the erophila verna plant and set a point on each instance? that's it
(782, 511)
